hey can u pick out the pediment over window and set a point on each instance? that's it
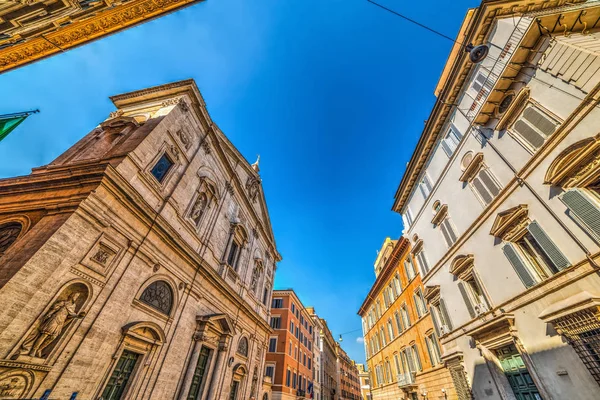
(432, 294)
(417, 246)
(462, 266)
(472, 168)
(220, 322)
(495, 333)
(576, 166)
(510, 223)
(516, 107)
(441, 213)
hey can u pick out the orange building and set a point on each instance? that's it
(403, 353)
(289, 360)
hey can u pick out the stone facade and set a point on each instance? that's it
(401, 340)
(501, 197)
(33, 29)
(139, 264)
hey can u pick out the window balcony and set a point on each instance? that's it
(407, 380)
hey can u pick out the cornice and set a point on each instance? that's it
(477, 32)
(80, 32)
(401, 249)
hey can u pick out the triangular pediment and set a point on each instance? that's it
(508, 219)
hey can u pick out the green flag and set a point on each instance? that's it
(7, 124)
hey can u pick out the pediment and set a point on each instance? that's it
(472, 168)
(509, 219)
(220, 322)
(432, 294)
(440, 214)
(461, 264)
(576, 166)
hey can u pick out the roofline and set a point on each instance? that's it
(400, 249)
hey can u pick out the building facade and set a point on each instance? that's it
(33, 29)
(347, 373)
(401, 342)
(329, 381)
(139, 264)
(317, 356)
(289, 360)
(501, 199)
(365, 382)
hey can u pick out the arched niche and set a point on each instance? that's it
(16, 384)
(56, 323)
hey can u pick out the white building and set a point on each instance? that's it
(500, 201)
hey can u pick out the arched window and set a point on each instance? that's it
(441, 220)
(159, 296)
(243, 347)
(9, 233)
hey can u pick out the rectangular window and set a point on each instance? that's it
(293, 308)
(292, 327)
(420, 303)
(478, 82)
(408, 217)
(433, 349)
(290, 349)
(422, 260)
(161, 168)
(272, 345)
(398, 322)
(410, 269)
(451, 141)
(425, 186)
(405, 316)
(287, 378)
(233, 254)
(199, 377)
(448, 232)
(277, 303)
(417, 357)
(534, 126)
(584, 209)
(276, 322)
(270, 371)
(485, 186)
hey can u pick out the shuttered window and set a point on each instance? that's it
(518, 264)
(425, 186)
(422, 262)
(485, 186)
(467, 300)
(417, 357)
(557, 258)
(444, 314)
(448, 232)
(398, 322)
(478, 82)
(451, 141)
(534, 126)
(410, 269)
(435, 318)
(585, 209)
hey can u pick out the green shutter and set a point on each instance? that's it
(436, 325)
(445, 314)
(554, 254)
(518, 265)
(585, 209)
(430, 351)
(463, 292)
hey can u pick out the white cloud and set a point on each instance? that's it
(360, 339)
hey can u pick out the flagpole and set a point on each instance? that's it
(19, 114)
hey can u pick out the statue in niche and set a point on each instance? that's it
(198, 208)
(52, 325)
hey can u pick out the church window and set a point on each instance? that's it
(162, 167)
(9, 233)
(159, 296)
(243, 347)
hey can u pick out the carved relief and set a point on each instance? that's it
(15, 384)
(102, 255)
(55, 321)
(252, 185)
(185, 139)
(205, 146)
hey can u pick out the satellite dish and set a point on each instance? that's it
(477, 53)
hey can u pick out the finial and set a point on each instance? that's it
(255, 166)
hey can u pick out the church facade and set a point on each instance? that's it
(139, 264)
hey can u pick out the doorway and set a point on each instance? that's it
(121, 375)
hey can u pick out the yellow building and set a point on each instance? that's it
(33, 29)
(403, 354)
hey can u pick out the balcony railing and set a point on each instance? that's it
(300, 393)
(406, 379)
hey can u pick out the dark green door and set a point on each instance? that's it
(120, 376)
(516, 372)
(199, 373)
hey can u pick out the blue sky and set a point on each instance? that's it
(333, 95)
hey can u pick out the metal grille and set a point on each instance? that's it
(460, 383)
(582, 330)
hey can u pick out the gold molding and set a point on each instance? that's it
(509, 223)
(576, 166)
(77, 33)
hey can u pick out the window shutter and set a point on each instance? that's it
(436, 325)
(447, 148)
(417, 357)
(556, 256)
(423, 190)
(411, 362)
(457, 133)
(486, 177)
(584, 208)
(463, 292)
(450, 230)
(481, 189)
(534, 138)
(518, 265)
(430, 351)
(444, 231)
(445, 314)
(539, 120)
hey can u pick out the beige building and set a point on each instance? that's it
(501, 203)
(139, 264)
(34, 29)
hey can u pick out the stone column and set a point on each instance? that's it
(220, 366)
